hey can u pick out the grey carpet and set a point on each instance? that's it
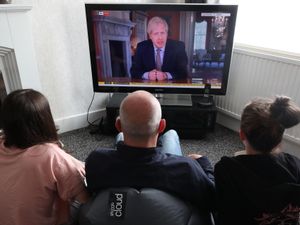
(220, 142)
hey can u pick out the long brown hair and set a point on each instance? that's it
(27, 119)
(264, 121)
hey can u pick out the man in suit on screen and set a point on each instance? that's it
(159, 58)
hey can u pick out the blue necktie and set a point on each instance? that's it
(158, 59)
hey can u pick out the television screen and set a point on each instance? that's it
(161, 48)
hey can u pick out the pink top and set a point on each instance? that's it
(36, 184)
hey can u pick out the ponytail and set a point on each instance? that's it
(285, 112)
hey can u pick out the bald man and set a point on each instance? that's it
(139, 161)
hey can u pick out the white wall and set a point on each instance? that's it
(62, 54)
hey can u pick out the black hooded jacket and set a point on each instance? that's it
(258, 189)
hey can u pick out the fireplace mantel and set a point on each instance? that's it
(17, 55)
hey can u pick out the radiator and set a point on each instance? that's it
(257, 72)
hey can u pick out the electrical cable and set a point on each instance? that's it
(88, 112)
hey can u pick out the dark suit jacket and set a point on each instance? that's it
(175, 59)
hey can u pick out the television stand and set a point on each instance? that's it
(174, 100)
(191, 116)
(202, 100)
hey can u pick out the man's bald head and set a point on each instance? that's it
(140, 115)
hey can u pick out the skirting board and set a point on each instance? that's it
(78, 121)
(233, 123)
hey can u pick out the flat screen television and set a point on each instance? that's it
(195, 44)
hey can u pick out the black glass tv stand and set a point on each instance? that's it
(172, 99)
(192, 116)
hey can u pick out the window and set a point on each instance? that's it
(200, 35)
(269, 24)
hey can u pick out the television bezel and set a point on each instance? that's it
(232, 9)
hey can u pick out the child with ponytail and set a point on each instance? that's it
(263, 185)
